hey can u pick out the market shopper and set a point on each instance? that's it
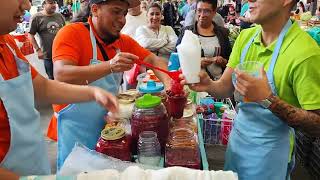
(22, 147)
(159, 39)
(94, 53)
(260, 144)
(46, 24)
(135, 18)
(214, 39)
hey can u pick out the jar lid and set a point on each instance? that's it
(151, 87)
(148, 101)
(113, 133)
(125, 98)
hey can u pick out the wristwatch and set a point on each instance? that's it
(266, 103)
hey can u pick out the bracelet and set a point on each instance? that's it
(110, 63)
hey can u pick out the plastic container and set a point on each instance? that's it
(149, 150)
(211, 124)
(182, 149)
(153, 88)
(176, 104)
(149, 115)
(174, 64)
(226, 125)
(114, 142)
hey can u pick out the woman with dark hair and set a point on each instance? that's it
(214, 39)
(159, 39)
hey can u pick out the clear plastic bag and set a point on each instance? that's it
(82, 159)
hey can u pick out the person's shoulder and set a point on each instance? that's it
(164, 27)
(247, 34)
(190, 27)
(302, 45)
(75, 28)
(142, 28)
(56, 14)
(126, 38)
(37, 15)
(8, 38)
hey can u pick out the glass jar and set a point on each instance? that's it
(182, 149)
(153, 88)
(149, 115)
(149, 150)
(115, 120)
(126, 104)
(185, 122)
(114, 142)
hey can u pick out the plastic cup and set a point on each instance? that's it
(253, 68)
(174, 63)
(175, 105)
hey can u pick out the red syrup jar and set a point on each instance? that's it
(115, 143)
(149, 115)
(182, 149)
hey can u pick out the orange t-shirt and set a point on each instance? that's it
(73, 43)
(8, 70)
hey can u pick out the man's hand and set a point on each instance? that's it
(202, 86)
(254, 89)
(105, 99)
(40, 53)
(122, 62)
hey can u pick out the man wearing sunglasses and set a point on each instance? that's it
(285, 96)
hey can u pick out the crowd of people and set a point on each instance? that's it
(85, 61)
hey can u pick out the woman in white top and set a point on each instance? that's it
(159, 39)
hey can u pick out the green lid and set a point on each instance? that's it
(113, 133)
(148, 101)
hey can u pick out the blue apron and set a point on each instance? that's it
(259, 145)
(27, 154)
(83, 122)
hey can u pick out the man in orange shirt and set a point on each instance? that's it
(22, 148)
(94, 53)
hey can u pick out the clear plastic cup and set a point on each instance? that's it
(253, 68)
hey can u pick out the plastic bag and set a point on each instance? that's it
(82, 159)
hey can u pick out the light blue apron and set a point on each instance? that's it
(83, 122)
(27, 154)
(259, 145)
